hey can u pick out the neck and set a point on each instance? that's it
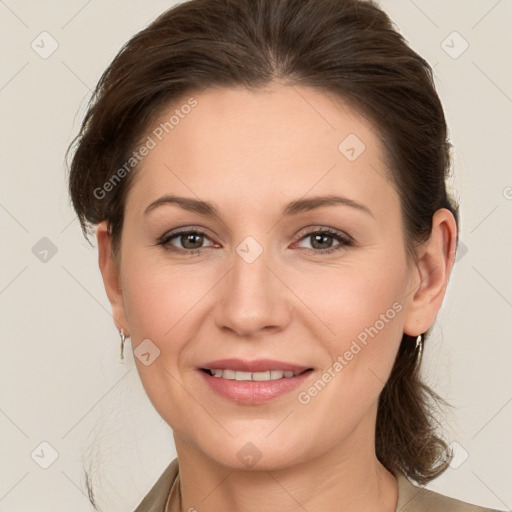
(345, 478)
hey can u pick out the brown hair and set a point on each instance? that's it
(346, 47)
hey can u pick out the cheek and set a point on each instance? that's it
(159, 300)
(365, 312)
(161, 303)
(351, 301)
(362, 316)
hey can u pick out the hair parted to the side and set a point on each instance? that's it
(346, 47)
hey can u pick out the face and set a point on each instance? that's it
(274, 279)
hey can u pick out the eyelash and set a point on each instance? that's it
(345, 240)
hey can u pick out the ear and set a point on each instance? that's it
(111, 277)
(431, 272)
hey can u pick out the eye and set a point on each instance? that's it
(191, 241)
(321, 240)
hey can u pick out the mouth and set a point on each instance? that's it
(253, 382)
(253, 376)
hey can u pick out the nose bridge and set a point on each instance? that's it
(253, 299)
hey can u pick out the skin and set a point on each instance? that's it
(293, 303)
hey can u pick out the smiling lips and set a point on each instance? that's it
(257, 370)
(257, 376)
(253, 382)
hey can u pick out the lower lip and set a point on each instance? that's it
(253, 392)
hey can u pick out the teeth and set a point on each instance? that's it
(257, 376)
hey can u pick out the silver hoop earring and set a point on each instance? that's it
(123, 338)
(419, 348)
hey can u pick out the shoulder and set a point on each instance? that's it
(412, 498)
(156, 499)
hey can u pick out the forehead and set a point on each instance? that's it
(241, 147)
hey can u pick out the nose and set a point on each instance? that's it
(253, 300)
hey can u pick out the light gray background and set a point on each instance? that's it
(61, 380)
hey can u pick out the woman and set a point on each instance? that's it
(267, 178)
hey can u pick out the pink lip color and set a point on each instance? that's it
(253, 392)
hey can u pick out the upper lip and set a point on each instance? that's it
(256, 365)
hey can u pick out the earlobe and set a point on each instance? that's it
(434, 265)
(110, 273)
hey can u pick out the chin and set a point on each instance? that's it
(258, 453)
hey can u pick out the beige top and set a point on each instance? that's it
(165, 496)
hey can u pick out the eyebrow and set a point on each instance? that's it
(293, 208)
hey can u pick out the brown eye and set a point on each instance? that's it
(191, 240)
(322, 240)
(185, 241)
